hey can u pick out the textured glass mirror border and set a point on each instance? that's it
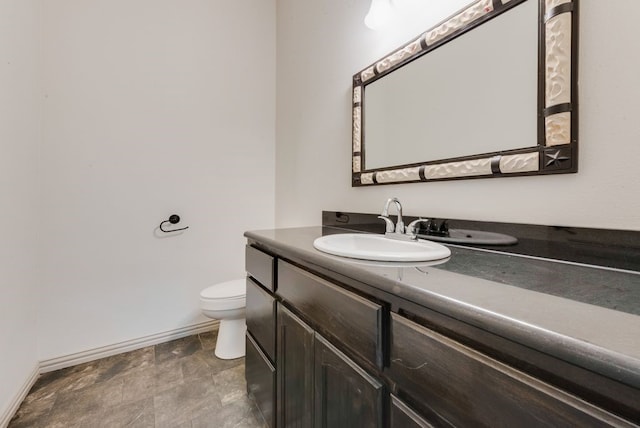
(557, 148)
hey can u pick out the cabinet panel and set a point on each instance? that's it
(295, 371)
(353, 321)
(261, 266)
(345, 395)
(261, 317)
(467, 388)
(260, 376)
(402, 416)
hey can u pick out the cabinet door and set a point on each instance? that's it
(345, 395)
(260, 376)
(402, 416)
(295, 371)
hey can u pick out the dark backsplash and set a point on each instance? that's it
(601, 247)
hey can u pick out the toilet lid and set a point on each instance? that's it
(225, 290)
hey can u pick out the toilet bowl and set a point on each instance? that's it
(226, 302)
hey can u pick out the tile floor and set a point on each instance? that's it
(175, 384)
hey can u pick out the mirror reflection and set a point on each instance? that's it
(476, 94)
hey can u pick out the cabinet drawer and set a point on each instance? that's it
(260, 376)
(353, 321)
(467, 388)
(260, 266)
(261, 317)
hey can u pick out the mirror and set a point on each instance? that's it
(488, 92)
(456, 81)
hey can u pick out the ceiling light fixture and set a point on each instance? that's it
(379, 14)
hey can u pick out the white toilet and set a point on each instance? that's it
(226, 302)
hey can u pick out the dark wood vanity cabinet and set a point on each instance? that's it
(341, 359)
(315, 383)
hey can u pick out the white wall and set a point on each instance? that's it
(19, 142)
(152, 107)
(320, 45)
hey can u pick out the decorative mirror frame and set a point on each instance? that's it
(557, 148)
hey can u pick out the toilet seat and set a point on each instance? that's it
(224, 296)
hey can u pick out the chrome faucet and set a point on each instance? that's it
(399, 231)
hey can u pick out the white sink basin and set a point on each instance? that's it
(377, 247)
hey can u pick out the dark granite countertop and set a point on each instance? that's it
(585, 315)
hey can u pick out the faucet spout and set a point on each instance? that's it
(400, 229)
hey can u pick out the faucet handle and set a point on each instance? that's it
(390, 227)
(444, 228)
(411, 228)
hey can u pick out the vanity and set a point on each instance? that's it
(335, 342)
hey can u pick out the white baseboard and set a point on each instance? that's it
(5, 418)
(57, 363)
